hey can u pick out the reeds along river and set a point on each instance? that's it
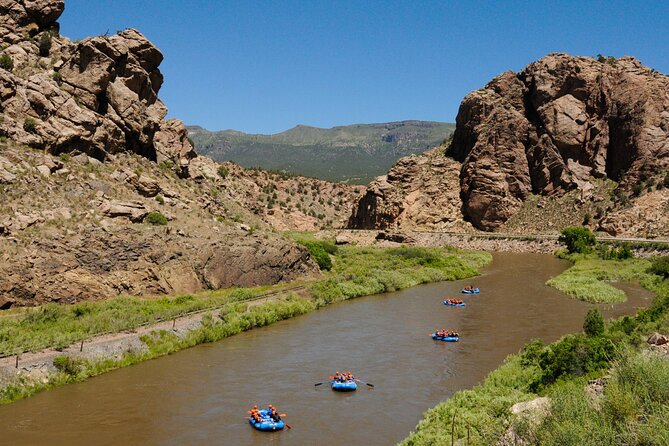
(200, 396)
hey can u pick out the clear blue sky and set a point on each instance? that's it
(265, 66)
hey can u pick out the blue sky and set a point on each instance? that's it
(265, 66)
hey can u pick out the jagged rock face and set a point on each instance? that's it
(419, 192)
(553, 126)
(98, 96)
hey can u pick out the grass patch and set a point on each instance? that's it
(364, 271)
(632, 411)
(57, 326)
(588, 278)
(484, 408)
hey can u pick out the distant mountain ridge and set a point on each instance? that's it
(355, 153)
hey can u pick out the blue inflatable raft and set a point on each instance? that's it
(445, 338)
(266, 423)
(451, 304)
(343, 386)
(474, 291)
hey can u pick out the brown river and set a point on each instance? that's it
(200, 396)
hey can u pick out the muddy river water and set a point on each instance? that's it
(200, 396)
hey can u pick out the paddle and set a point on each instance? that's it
(367, 384)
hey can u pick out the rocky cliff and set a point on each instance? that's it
(556, 125)
(97, 96)
(100, 196)
(568, 140)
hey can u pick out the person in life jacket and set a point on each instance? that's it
(275, 415)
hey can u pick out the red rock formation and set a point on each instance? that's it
(553, 126)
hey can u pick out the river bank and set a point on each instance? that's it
(564, 375)
(355, 272)
(201, 394)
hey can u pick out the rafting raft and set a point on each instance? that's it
(343, 386)
(436, 337)
(452, 304)
(472, 291)
(266, 423)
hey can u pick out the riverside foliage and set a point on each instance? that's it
(632, 410)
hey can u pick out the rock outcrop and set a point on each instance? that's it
(98, 96)
(554, 126)
(567, 141)
(419, 192)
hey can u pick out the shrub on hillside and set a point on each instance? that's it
(156, 218)
(575, 355)
(29, 125)
(320, 256)
(6, 62)
(222, 172)
(577, 239)
(44, 44)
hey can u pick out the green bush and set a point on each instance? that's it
(156, 219)
(660, 266)
(223, 171)
(320, 256)
(57, 77)
(532, 352)
(6, 62)
(29, 125)
(160, 199)
(574, 356)
(578, 239)
(594, 323)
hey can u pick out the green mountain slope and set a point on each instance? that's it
(354, 153)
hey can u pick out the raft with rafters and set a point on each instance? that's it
(266, 423)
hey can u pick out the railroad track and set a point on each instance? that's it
(171, 318)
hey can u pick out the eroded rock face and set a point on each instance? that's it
(98, 96)
(419, 192)
(555, 125)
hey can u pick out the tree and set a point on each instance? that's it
(594, 323)
(578, 239)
